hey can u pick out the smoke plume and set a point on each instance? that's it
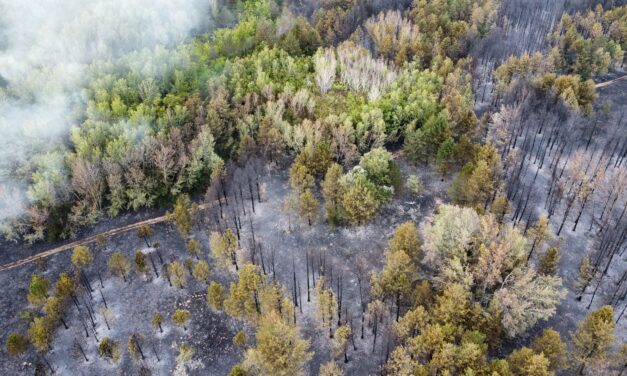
(45, 49)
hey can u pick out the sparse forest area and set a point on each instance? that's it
(329, 187)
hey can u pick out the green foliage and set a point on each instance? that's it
(180, 317)
(594, 337)
(181, 216)
(547, 264)
(280, 350)
(81, 257)
(201, 271)
(119, 265)
(38, 290)
(215, 295)
(109, 349)
(178, 274)
(16, 344)
(140, 262)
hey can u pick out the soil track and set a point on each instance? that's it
(610, 82)
(89, 239)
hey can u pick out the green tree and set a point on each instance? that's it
(524, 362)
(109, 349)
(586, 273)
(547, 264)
(134, 348)
(301, 177)
(395, 280)
(178, 274)
(180, 317)
(65, 286)
(157, 321)
(193, 247)
(38, 290)
(40, 333)
(215, 295)
(550, 344)
(360, 203)
(240, 339)
(341, 340)
(593, 338)
(280, 350)
(119, 265)
(238, 370)
(308, 207)
(186, 352)
(405, 239)
(140, 262)
(500, 207)
(145, 232)
(243, 300)
(330, 369)
(333, 191)
(181, 215)
(81, 257)
(224, 247)
(16, 344)
(201, 271)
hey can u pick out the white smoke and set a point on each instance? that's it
(45, 49)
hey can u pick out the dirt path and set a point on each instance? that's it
(87, 240)
(608, 83)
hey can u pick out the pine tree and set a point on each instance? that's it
(215, 295)
(109, 349)
(594, 337)
(243, 300)
(332, 191)
(360, 203)
(181, 216)
(552, 347)
(540, 232)
(224, 247)
(157, 321)
(341, 340)
(145, 232)
(81, 257)
(396, 278)
(180, 317)
(586, 273)
(280, 351)
(178, 274)
(16, 344)
(140, 262)
(40, 333)
(547, 264)
(38, 290)
(193, 247)
(119, 265)
(406, 239)
(240, 339)
(308, 207)
(330, 369)
(201, 271)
